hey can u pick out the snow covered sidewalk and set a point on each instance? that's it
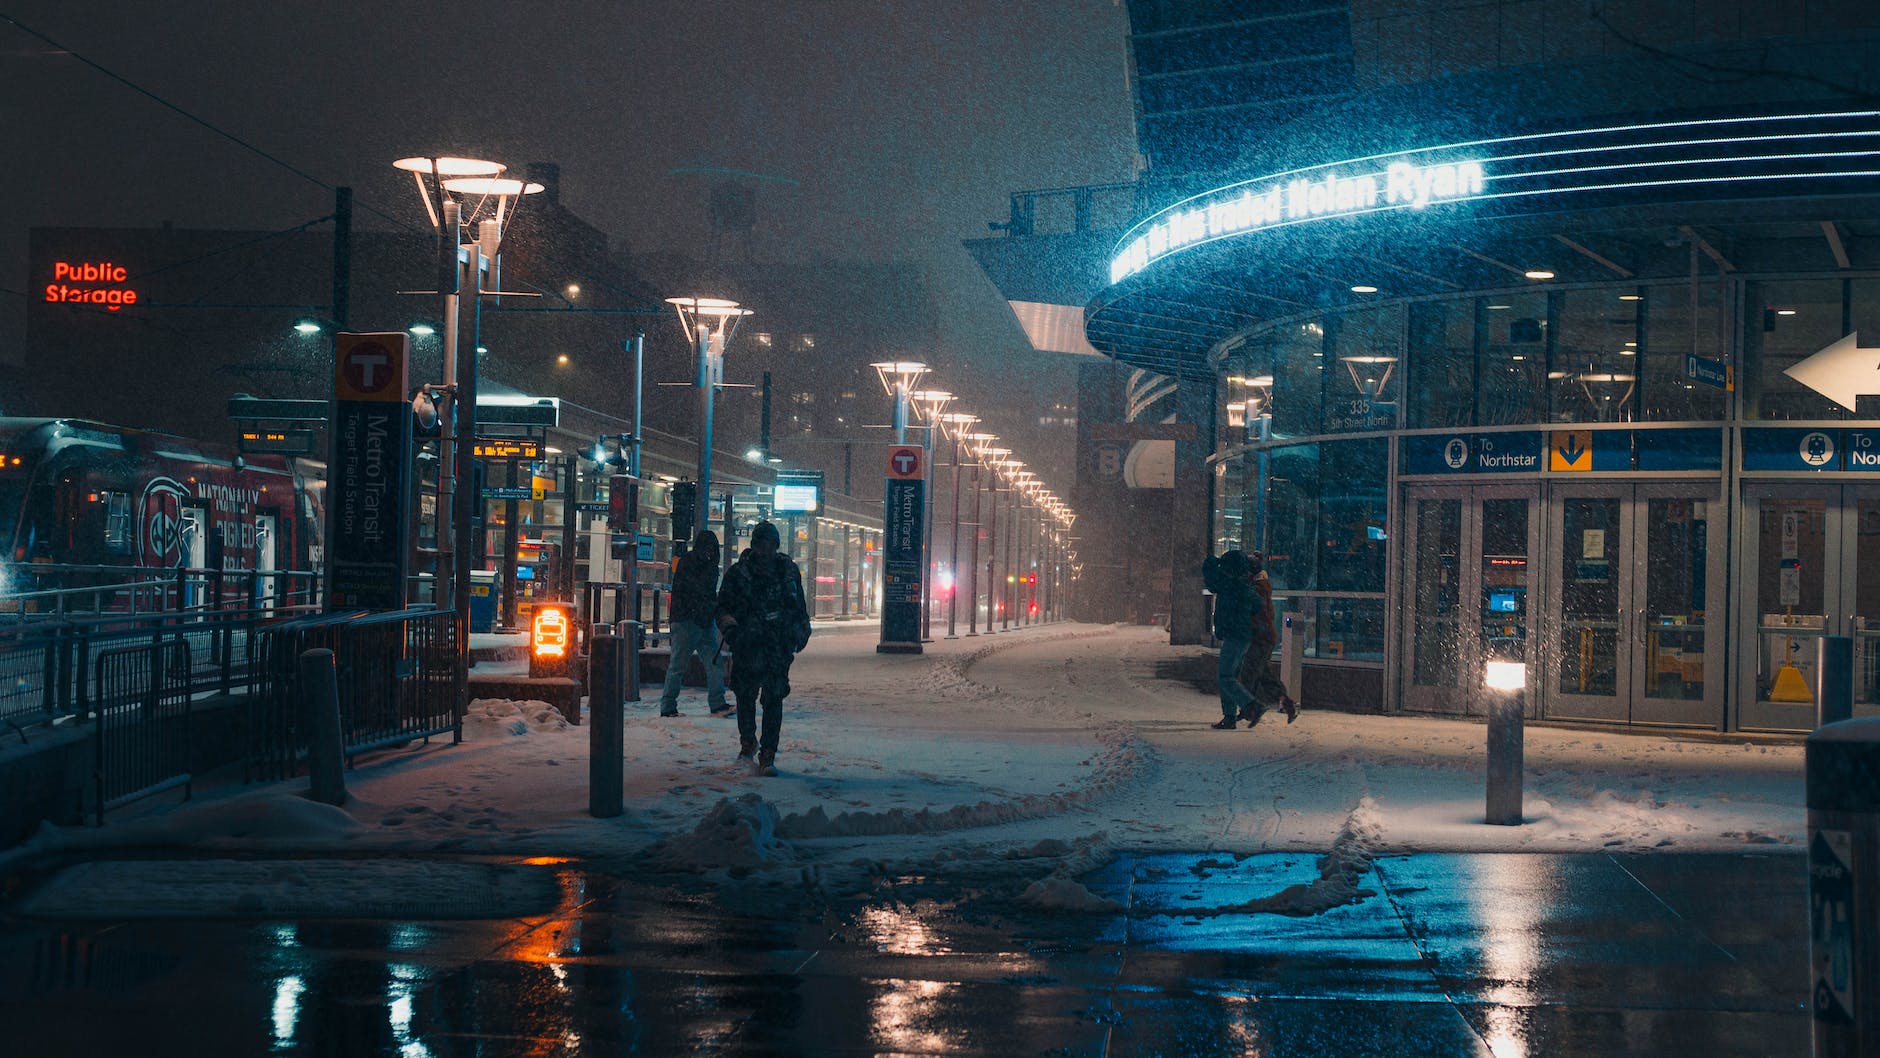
(1042, 751)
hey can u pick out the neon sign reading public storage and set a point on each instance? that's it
(1280, 200)
(104, 284)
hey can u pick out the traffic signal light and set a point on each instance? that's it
(684, 509)
(623, 503)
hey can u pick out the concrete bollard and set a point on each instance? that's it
(1843, 883)
(1834, 669)
(607, 665)
(319, 711)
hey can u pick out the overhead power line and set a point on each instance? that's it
(180, 111)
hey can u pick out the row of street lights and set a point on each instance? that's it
(994, 473)
(710, 325)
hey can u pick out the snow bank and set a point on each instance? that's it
(1342, 867)
(488, 719)
(740, 833)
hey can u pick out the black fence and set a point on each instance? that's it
(397, 675)
(141, 720)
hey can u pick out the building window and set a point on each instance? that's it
(1513, 368)
(1364, 370)
(1680, 321)
(1442, 363)
(1298, 351)
(1595, 348)
(1788, 322)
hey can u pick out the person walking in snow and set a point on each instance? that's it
(1266, 688)
(694, 605)
(765, 621)
(1234, 598)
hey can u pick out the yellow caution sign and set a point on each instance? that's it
(1570, 450)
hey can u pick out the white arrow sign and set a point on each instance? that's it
(1840, 372)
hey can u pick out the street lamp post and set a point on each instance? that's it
(710, 324)
(932, 403)
(457, 262)
(959, 421)
(993, 461)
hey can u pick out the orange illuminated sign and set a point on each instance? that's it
(102, 284)
(549, 633)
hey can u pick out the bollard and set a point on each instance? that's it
(1834, 671)
(319, 704)
(1292, 654)
(1843, 767)
(607, 665)
(1506, 731)
(631, 630)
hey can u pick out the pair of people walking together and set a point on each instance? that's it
(1245, 624)
(760, 616)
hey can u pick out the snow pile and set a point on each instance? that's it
(1342, 867)
(739, 833)
(489, 719)
(276, 818)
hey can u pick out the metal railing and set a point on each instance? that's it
(35, 592)
(141, 721)
(397, 675)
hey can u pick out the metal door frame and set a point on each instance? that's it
(1708, 711)
(1555, 703)
(1468, 699)
(1747, 712)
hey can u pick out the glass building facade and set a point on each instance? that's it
(1615, 484)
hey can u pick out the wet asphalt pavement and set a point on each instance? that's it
(1480, 954)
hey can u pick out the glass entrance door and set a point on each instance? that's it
(1630, 578)
(1587, 675)
(1466, 596)
(1812, 558)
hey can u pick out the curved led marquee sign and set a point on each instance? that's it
(1833, 146)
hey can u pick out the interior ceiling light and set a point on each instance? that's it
(1496, 308)
(1538, 273)
(1631, 297)
(1785, 312)
(1364, 288)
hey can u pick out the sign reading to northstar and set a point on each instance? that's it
(1272, 201)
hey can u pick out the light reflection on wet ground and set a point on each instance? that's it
(1503, 955)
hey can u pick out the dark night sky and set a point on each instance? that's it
(905, 124)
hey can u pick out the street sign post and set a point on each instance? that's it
(904, 557)
(368, 506)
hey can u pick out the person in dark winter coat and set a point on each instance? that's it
(765, 621)
(1266, 689)
(694, 606)
(1234, 599)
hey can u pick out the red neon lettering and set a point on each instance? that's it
(112, 298)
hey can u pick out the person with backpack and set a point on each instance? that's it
(1226, 577)
(694, 605)
(765, 622)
